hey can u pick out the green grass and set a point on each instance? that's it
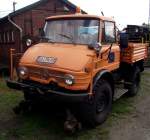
(45, 126)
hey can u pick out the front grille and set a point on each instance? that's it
(52, 86)
(45, 73)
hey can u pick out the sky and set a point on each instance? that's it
(124, 11)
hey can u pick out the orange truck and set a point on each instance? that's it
(81, 60)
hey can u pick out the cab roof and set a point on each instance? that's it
(80, 16)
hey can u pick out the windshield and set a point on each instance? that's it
(75, 31)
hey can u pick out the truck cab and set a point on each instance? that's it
(67, 49)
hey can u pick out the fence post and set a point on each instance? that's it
(11, 63)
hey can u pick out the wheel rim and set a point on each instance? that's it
(102, 103)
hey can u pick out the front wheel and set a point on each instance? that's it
(96, 110)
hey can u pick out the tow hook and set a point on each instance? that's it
(71, 125)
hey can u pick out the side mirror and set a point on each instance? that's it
(95, 46)
(124, 40)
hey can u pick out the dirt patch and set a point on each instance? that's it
(135, 126)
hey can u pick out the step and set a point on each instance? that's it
(119, 92)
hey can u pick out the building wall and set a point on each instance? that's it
(9, 38)
(31, 22)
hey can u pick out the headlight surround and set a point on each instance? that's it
(69, 79)
(23, 72)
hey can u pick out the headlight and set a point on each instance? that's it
(23, 72)
(28, 42)
(69, 80)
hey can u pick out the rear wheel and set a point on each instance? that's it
(96, 110)
(133, 88)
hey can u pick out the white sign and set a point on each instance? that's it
(46, 60)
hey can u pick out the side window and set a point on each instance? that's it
(108, 32)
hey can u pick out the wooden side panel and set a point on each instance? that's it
(134, 52)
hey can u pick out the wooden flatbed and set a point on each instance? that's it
(134, 52)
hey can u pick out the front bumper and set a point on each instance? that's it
(55, 95)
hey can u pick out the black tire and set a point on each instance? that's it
(96, 110)
(135, 83)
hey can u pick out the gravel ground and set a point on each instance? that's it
(136, 126)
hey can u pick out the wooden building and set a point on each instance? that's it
(28, 22)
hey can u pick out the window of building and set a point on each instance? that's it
(4, 37)
(8, 37)
(0, 37)
(12, 36)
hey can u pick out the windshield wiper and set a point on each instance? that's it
(49, 40)
(68, 37)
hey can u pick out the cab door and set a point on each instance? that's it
(110, 53)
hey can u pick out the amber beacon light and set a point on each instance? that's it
(78, 10)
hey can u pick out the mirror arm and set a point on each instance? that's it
(110, 48)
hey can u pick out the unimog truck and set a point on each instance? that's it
(81, 59)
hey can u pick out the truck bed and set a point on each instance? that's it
(134, 52)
